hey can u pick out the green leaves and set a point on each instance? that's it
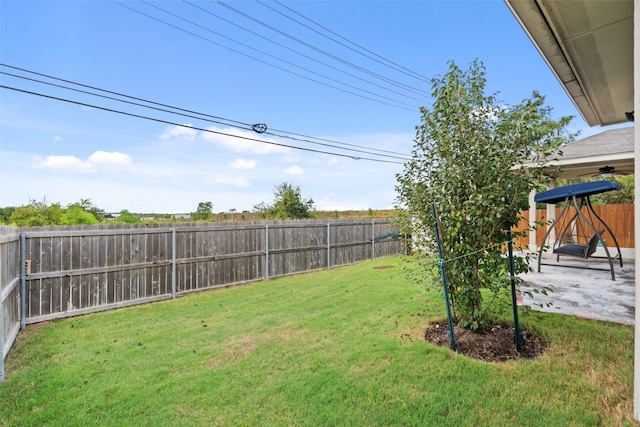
(288, 204)
(467, 159)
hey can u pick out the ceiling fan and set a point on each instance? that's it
(607, 172)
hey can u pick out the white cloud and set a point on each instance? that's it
(243, 164)
(62, 163)
(57, 138)
(75, 164)
(236, 140)
(181, 132)
(333, 161)
(114, 158)
(293, 170)
(236, 181)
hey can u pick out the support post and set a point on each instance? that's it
(443, 274)
(328, 245)
(173, 263)
(636, 144)
(551, 217)
(533, 238)
(23, 280)
(514, 298)
(2, 337)
(266, 252)
(373, 240)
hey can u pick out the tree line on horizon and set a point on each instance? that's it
(288, 203)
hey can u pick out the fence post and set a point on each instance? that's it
(173, 263)
(266, 252)
(23, 280)
(1, 320)
(373, 239)
(328, 245)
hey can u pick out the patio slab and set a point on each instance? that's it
(580, 291)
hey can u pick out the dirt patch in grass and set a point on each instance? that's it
(495, 344)
(382, 267)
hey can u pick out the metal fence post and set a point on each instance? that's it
(266, 252)
(373, 240)
(328, 245)
(173, 263)
(23, 280)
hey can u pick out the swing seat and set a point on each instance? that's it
(577, 250)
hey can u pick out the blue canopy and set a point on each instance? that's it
(559, 194)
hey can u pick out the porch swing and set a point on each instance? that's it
(579, 234)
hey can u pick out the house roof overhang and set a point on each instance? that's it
(583, 158)
(589, 47)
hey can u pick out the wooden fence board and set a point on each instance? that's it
(620, 218)
(91, 267)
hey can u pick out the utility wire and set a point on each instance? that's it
(382, 60)
(323, 52)
(248, 127)
(265, 62)
(287, 48)
(192, 127)
(199, 116)
(192, 116)
(119, 94)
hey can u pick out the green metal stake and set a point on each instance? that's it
(514, 300)
(443, 272)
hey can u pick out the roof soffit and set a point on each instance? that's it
(589, 47)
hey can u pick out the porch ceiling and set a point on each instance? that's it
(589, 47)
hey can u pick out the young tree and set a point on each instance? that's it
(467, 160)
(288, 204)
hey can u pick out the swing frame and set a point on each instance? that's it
(570, 195)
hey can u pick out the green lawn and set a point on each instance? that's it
(337, 347)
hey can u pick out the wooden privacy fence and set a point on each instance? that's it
(618, 217)
(9, 291)
(54, 272)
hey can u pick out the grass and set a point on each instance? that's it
(338, 347)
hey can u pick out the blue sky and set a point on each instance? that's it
(61, 152)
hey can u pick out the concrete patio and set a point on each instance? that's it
(579, 290)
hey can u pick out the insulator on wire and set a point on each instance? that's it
(259, 127)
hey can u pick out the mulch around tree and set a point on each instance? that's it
(494, 344)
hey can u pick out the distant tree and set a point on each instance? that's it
(76, 215)
(204, 212)
(27, 216)
(127, 217)
(87, 206)
(5, 214)
(288, 204)
(36, 214)
(624, 196)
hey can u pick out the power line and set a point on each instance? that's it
(265, 62)
(114, 99)
(310, 46)
(192, 127)
(252, 127)
(200, 116)
(287, 48)
(382, 60)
